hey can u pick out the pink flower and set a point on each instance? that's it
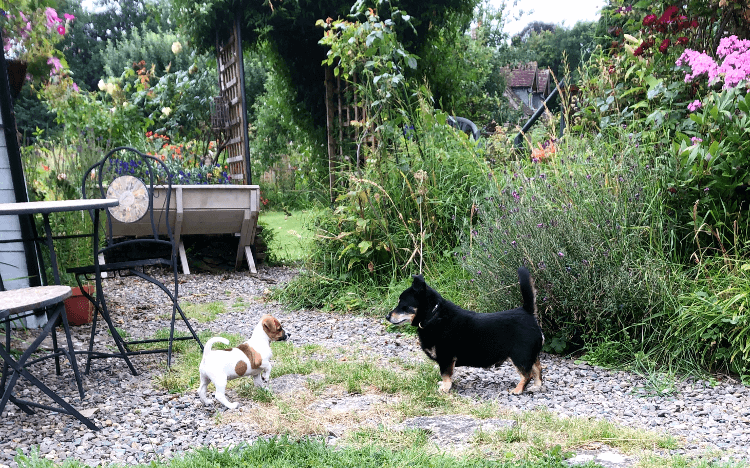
(699, 63)
(693, 106)
(695, 140)
(69, 17)
(52, 18)
(61, 30)
(55, 63)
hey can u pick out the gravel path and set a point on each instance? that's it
(140, 422)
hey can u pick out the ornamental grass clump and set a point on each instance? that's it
(581, 226)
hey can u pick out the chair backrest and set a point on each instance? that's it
(143, 184)
(465, 125)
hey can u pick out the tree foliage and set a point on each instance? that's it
(553, 46)
(290, 27)
(93, 29)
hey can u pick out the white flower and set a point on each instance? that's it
(102, 85)
(166, 111)
(176, 47)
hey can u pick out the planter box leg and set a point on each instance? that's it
(183, 259)
(250, 261)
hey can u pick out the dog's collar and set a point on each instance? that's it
(431, 313)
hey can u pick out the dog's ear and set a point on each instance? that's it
(418, 284)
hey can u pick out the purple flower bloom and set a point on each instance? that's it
(560, 254)
(695, 140)
(695, 105)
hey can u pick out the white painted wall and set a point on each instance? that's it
(12, 258)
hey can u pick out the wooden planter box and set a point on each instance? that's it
(203, 209)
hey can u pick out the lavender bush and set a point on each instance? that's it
(581, 224)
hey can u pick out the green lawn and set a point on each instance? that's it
(289, 234)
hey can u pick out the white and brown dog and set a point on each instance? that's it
(253, 357)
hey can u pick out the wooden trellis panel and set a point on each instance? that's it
(346, 121)
(231, 86)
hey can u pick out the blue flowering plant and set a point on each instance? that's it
(186, 167)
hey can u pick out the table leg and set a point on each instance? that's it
(51, 246)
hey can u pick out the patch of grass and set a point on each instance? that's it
(387, 437)
(240, 303)
(247, 389)
(291, 238)
(284, 452)
(205, 312)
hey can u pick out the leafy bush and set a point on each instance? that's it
(581, 224)
(157, 48)
(404, 213)
(712, 323)
(712, 173)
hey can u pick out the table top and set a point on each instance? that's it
(56, 206)
(21, 300)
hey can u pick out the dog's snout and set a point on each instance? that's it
(285, 336)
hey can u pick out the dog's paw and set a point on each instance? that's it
(444, 387)
(233, 405)
(535, 388)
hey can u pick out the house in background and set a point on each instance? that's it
(527, 87)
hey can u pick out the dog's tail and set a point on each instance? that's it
(527, 290)
(210, 343)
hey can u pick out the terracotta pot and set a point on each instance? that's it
(16, 76)
(78, 308)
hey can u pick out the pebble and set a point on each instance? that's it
(141, 423)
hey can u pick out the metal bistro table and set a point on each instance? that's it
(46, 207)
(18, 301)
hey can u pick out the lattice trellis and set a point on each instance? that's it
(346, 123)
(230, 117)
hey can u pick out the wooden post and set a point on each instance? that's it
(331, 128)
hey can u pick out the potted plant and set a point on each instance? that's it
(29, 39)
(78, 308)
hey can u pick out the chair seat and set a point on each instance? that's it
(118, 266)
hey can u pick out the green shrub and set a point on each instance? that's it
(581, 223)
(711, 325)
(711, 182)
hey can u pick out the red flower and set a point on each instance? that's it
(668, 14)
(647, 44)
(664, 45)
(638, 51)
(694, 24)
(649, 20)
(672, 190)
(681, 40)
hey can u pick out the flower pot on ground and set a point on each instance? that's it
(78, 308)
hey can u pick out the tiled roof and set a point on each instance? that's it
(527, 76)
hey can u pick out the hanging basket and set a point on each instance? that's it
(16, 76)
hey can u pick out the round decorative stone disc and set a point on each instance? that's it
(133, 197)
